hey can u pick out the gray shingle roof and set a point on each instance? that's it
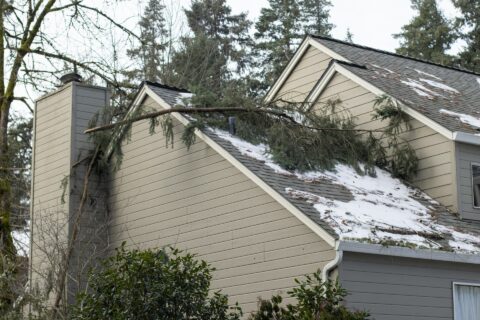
(279, 182)
(387, 70)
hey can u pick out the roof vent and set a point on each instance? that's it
(70, 77)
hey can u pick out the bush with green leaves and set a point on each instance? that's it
(315, 300)
(152, 284)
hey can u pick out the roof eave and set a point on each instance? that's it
(423, 254)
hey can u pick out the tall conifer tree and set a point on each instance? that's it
(316, 16)
(280, 29)
(428, 35)
(217, 45)
(151, 50)
(470, 22)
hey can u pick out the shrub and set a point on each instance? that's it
(152, 284)
(315, 300)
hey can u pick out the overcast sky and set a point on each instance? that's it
(372, 22)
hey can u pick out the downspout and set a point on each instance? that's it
(334, 263)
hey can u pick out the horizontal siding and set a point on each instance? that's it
(436, 174)
(465, 156)
(304, 76)
(402, 288)
(51, 163)
(195, 200)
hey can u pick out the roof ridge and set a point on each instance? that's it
(165, 86)
(393, 54)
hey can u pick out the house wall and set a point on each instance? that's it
(58, 143)
(466, 155)
(395, 288)
(196, 200)
(304, 76)
(436, 167)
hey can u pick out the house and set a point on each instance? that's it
(403, 251)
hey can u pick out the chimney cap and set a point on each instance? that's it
(70, 77)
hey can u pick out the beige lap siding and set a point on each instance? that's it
(196, 200)
(304, 76)
(435, 152)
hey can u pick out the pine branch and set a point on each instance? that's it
(183, 110)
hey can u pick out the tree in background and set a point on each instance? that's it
(316, 17)
(470, 22)
(280, 29)
(428, 35)
(206, 60)
(153, 42)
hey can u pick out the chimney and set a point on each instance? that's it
(70, 77)
(59, 146)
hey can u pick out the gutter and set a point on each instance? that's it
(329, 267)
(423, 254)
(468, 138)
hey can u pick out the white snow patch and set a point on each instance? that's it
(478, 80)
(382, 208)
(420, 89)
(21, 240)
(183, 99)
(465, 118)
(378, 67)
(428, 74)
(258, 152)
(439, 85)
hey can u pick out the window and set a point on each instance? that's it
(466, 301)
(476, 185)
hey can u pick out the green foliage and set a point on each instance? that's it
(20, 158)
(399, 156)
(151, 51)
(428, 35)
(152, 284)
(280, 29)
(468, 23)
(205, 61)
(315, 300)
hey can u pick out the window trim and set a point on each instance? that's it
(454, 284)
(471, 189)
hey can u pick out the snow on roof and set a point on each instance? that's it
(184, 98)
(378, 67)
(419, 88)
(439, 85)
(464, 118)
(383, 210)
(21, 240)
(478, 80)
(428, 74)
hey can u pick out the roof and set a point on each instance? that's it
(446, 95)
(311, 192)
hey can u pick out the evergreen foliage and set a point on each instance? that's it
(153, 284)
(316, 17)
(315, 300)
(428, 35)
(280, 29)
(219, 39)
(20, 157)
(151, 50)
(469, 22)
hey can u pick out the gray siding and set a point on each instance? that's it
(196, 200)
(465, 156)
(393, 288)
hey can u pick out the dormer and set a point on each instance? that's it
(442, 104)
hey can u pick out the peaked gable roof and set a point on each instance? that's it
(443, 94)
(304, 195)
